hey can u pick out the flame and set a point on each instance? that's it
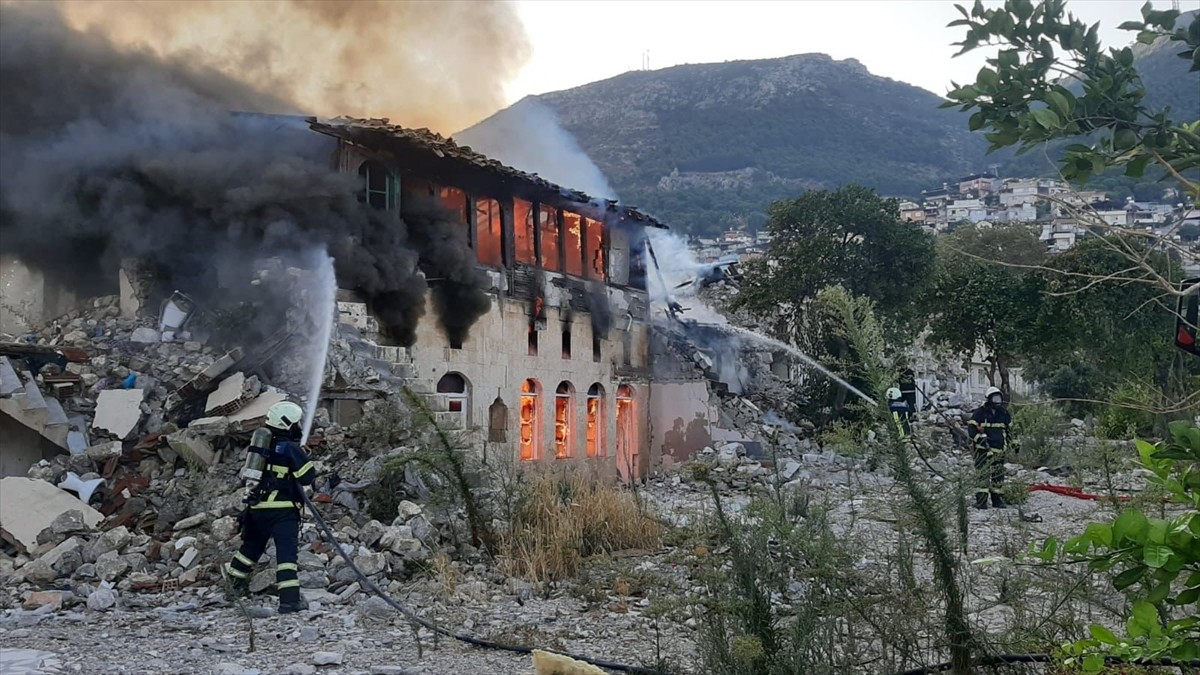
(562, 426)
(528, 427)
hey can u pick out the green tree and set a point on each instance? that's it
(972, 303)
(848, 236)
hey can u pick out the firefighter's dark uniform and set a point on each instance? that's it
(274, 513)
(908, 388)
(989, 427)
(900, 415)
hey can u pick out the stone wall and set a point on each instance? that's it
(495, 361)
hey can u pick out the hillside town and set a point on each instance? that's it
(1061, 214)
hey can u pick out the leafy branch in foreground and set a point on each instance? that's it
(1159, 558)
(1052, 79)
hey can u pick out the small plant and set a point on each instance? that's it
(1040, 429)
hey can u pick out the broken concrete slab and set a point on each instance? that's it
(210, 426)
(192, 447)
(28, 506)
(9, 382)
(118, 411)
(104, 451)
(231, 394)
(255, 411)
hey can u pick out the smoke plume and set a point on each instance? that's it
(112, 152)
(528, 136)
(447, 261)
(437, 64)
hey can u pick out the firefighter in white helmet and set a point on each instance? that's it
(901, 412)
(273, 508)
(990, 428)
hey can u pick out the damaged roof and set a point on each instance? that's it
(380, 133)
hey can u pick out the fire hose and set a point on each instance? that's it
(1075, 492)
(461, 637)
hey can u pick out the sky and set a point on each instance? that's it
(580, 41)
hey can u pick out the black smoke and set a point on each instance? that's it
(456, 282)
(598, 308)
(108, 154)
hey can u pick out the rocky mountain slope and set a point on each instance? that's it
(709, 146)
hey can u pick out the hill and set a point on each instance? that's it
(707, 147)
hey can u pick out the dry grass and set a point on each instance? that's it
(560, 521)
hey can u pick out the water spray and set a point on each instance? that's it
(321, 308)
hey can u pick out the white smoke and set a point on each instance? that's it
(529, 137)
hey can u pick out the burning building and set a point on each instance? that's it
(545, 352)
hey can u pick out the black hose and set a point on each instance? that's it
(1006, 659)
(461, 637)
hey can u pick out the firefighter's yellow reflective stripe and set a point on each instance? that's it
(994, 425)
(304, 469)
(287, 566)
(233, 572)
(274, 505)
(290, 583)
(243, 559)
(280, 471)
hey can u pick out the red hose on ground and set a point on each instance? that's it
(1075, 492)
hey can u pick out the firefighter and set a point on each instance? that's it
(908, 386)
(990, 429)
(900, 411)
(273, 509)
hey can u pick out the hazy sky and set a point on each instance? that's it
(580, 41)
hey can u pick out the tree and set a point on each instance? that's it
(971, 304)
(1051, 80)
(849, 236)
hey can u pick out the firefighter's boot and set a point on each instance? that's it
(998, 501)
(981, 500)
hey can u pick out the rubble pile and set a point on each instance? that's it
(145, 496)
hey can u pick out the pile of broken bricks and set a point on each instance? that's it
(142, 492)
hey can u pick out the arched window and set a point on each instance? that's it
(564, 413)
(626, 445)
(596, 421)
(453, 388)
(530, 421)
(375, 184)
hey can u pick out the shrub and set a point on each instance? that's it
(1040, 429)
(558, 522)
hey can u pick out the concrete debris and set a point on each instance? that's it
(103, 452)
(193, 447)
(118, 411)
(145, 335)
(29, 506)
(101, 599)
(327, 658)
(232, 395)
(255, 411)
